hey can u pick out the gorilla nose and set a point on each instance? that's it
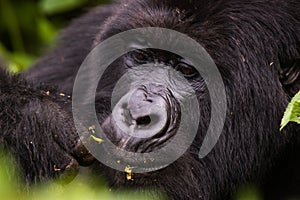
(145, 120)
(141, 114)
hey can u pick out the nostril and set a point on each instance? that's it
(145, 120)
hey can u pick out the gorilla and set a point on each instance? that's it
(255, 45)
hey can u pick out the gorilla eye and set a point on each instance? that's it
(140, 56)
(186, 70)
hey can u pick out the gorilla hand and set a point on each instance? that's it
(38, 132)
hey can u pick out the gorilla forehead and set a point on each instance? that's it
(222, 27)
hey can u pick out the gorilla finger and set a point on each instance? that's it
(67, 169)
(82, 155)
(69, 172)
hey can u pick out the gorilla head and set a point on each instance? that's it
(145, 100)
(147, 116)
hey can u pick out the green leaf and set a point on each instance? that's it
(16, 61)
(292, 112)
(8, 177)
(248, 192)
(12, 24)
(20, 61)
(3, 52)
(58, 6)
(46, 30)
(83, 187)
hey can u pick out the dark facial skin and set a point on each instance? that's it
(136, 110)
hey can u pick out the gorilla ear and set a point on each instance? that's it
(290, 76)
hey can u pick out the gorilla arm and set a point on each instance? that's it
(37, 131)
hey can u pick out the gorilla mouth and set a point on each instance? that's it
(143, 121)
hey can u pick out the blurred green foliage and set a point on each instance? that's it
(12, 188)
(82, 188)
(28, 28)
(56, 6)
(248, 192)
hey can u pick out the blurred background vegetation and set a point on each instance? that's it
(81, 188)
(12, 188)
(27, 30)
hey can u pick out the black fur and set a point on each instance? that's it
(36, 129)
(254, 43)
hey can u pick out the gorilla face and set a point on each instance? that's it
(147, 117)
